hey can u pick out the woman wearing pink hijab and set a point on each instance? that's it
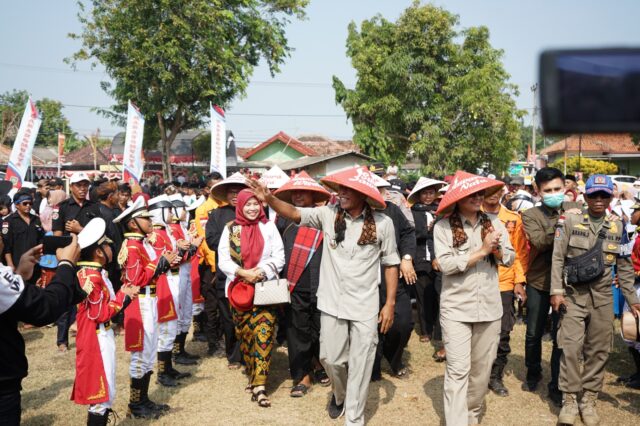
(54, 198)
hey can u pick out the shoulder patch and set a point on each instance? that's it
(559, 233)
(11, 287)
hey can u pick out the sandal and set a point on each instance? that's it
(425, 339)
(261, 398)
(321, 377)
(234, 366)
(249, 388)
(439, 357)
(299, 390)
(403, 373)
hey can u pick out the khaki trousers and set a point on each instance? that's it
(471, 349)
(584, 332)
(347, 352)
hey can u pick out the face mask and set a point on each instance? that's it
(553, 200)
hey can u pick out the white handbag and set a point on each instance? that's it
(272, 292)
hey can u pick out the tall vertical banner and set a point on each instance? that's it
(218, 141)
(132, 163)
(61, 140)
(23, 146)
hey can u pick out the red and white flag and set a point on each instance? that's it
(218, 141)
(23, 145)
(132, 156)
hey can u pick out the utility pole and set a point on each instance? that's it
(580, 153)
(534, 89)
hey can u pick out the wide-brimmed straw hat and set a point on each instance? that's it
(274, 178)
(462, 185)
(423, 183)
(302, 182)
(219, 190)
(629, 327)
(359, 179)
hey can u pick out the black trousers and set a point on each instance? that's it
(64, 324)
(303, 334)
(538, 303)
(391, 345)
(10, 409)
(231, 343)
(212, 327)
(428, 287)
(506, 325)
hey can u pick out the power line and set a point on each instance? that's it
(239, 114)
(89, 72)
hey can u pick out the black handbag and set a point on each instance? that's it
(586, 267)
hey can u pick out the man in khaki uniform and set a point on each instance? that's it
(586, 326)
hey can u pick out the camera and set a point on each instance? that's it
(590, 90)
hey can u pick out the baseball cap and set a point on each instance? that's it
(79, 177)
(597, 183)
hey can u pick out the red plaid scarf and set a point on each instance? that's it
(305, 245)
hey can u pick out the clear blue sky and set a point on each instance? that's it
(34, 43)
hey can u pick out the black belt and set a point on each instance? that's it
(152, 290)
(175, 270)
(107, 325)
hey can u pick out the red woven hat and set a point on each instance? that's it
(241, 294)
(302, 182)
(462, 185)
(359, 179)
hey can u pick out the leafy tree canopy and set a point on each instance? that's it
(173, 57)
(427, 87)
(588, 166)
(53, 120)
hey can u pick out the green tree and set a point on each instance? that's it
(173, 57)
(53, 120)
(588, 166)
(424, 86)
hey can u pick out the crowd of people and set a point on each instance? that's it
(330, 271)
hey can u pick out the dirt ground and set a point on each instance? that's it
(215, 395)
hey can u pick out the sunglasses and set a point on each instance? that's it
(26, 203)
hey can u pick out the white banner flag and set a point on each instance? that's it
(218, 141)
(132, 155)
(23, 145)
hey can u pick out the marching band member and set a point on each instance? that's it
(189, 246)
(141, 267)
(95, 342)
(162, 241)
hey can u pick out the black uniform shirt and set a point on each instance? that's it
(19, 236)
(34, 305)
(69, 209)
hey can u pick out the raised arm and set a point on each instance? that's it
(283, 209)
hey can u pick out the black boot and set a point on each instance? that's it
(164, 370)
(137, 408)
(175, 373)
(633, 381)
(198, 328)
(495, 382)
(94, 419)
(144, 396)
(180, 355)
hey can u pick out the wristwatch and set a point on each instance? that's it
(407, 257)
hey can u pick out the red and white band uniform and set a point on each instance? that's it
(185, 296)
(95, 381)
(168, 289)
(139, 263)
